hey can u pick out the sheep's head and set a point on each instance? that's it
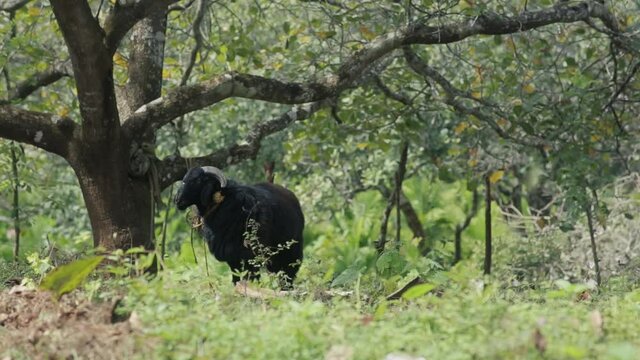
(199, 186)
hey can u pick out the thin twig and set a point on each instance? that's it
(460, 228)
(197, 36)
(164, 224)
(592, 237)
(402, 167)
(399, 176)
(487, 227)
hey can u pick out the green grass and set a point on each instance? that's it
(198, 316)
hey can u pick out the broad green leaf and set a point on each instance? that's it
(67, 277)
(574, 352)
(417, 291)
(381, 310)
(349, 276)
(390, 263)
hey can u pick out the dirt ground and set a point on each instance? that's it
(35, 325)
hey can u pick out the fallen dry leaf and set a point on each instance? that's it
(584, 296)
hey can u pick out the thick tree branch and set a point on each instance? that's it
(193, 97)
(123, 17)
(12, 5)
(399, 97)
(92, 66)
(190, 98)
(330, 2)
(174, 167)
(38, 80)
(146, 53)
(181, 7)
(198, 37)
(46, 131)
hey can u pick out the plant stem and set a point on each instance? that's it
(594, 250)
(487, 227)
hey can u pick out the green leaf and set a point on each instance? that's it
(390, 263)
(566, 226)
(67, 277)
(417, 291)
(348, 276)
(527, 128)
(135, 250)
(381, 310)
(574, 352)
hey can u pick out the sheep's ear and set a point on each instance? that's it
(206, 196)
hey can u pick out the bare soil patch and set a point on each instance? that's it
(33, 324)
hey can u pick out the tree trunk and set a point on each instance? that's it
(471, 213)
(120, 219)
(413, 220)
(118, 181)
(16, 200)
(119, 206)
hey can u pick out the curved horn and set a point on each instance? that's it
(217, 173)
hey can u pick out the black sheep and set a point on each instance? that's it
(234, 214)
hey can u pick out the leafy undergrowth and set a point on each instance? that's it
(198, 316)
(183, 313)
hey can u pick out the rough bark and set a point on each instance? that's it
(92, 69)
(16, 201)
(119, 206)
(122, 18)
(12, 5)
(145, 63)
(46, 131)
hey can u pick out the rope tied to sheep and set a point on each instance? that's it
(197, 221)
